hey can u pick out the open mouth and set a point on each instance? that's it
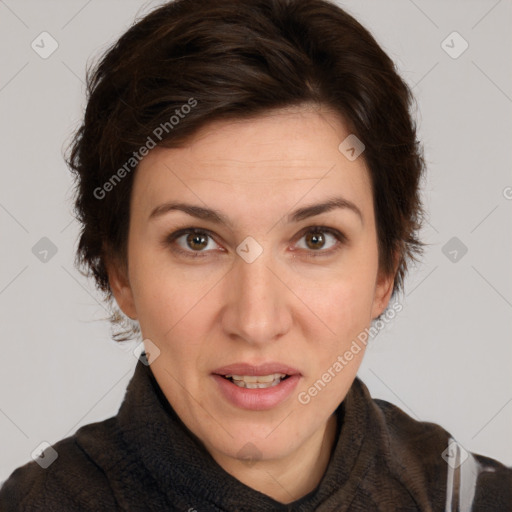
(256, 387)
(256, 381)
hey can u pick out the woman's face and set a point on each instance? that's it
(272, 283)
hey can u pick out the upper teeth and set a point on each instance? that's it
(257, 381)
(257, 378)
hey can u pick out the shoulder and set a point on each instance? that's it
(427, 453)
(406, 434)
(73, 481)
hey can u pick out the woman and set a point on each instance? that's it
(248, 186)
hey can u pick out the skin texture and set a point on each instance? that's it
(301, 303)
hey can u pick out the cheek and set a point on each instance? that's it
(175, 311)
(342, 302)
(345, 313)
(162, 297)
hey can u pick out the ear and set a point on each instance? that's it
(120, 286)
(383, 290)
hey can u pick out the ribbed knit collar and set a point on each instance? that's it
(181, 466)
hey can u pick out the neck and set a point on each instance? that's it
(290, 478)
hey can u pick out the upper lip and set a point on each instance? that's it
(256, 370)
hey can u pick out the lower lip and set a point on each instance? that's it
(259, 399)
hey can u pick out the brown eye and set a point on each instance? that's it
(321, 240)
(315, 240)
(192, 242)
(197, 241)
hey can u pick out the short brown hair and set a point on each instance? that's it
(236, 59)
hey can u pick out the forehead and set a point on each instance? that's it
(283, 155)
(287, 137)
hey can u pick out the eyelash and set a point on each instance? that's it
(170, 239)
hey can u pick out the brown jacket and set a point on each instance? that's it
(145, 459)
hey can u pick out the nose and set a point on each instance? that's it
(257, 307)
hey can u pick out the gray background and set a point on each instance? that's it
(447, 355)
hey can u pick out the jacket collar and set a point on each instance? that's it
(179, 463)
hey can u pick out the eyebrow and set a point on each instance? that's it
(217, 217)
